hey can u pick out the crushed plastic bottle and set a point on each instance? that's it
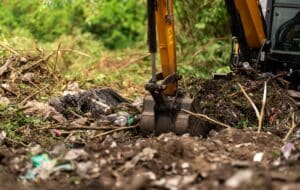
(38, 160)
(121, 121)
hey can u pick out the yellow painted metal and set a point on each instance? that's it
(166, 40)
(252, 22)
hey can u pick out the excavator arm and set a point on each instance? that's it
(162, 110)
(161, 29)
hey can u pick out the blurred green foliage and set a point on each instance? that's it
(96, 26)
(116, 23)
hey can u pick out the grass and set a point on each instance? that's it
(12, 118)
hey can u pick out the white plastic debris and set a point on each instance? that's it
(185, 165)
(287, 149)
(238, 178)
(43, 110)
(258, 157)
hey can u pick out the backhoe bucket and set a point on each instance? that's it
(156, 121)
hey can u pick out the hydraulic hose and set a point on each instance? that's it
(152, 39)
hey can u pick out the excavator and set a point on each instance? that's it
(265, 34)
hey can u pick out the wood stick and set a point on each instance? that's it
(56, 57)
(115, 130)
(250, 101)
(5, 67)
(9, 49)
(8, 90)
(202, 116)
(33, 94)
(27, 67)
(133, 61)
(287, 136)
(78, 128)
(262, 112)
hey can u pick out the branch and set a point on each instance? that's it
(291, 129)
(250, 101)
(262, 112)
(202, 116)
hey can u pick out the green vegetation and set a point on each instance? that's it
(12, 118)
(114, 32)
(103, 43)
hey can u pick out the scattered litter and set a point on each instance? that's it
(122, 118)
(56, 133)
(64, 167)
(73, 154)
(258, 157)
(287, 150)
(138, 104)
(43, 110)
(238, 178)
(38, 160)
(45, 170)
(97, 101)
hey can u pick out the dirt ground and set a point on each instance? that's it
(222, 158)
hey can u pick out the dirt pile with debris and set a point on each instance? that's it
(28, 77)
(229, 159)
(224, 101)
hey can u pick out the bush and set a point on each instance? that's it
(116, 23)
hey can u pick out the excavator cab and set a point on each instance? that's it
(284, 36)
(271, 41)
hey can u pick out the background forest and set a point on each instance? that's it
(110, 35)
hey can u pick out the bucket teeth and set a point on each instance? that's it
(157, 122)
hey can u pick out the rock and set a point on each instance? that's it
(258, 157)
(242, 176)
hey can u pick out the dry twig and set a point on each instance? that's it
(250, 101)
(79, 128)
(292, 128)
(8, 90)
(260, 115)
(5, 67)
(9, 49)
(134, 61)
(262, 111)
(33, 94)
(27, 67)
(202, 116)
(115, 130)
